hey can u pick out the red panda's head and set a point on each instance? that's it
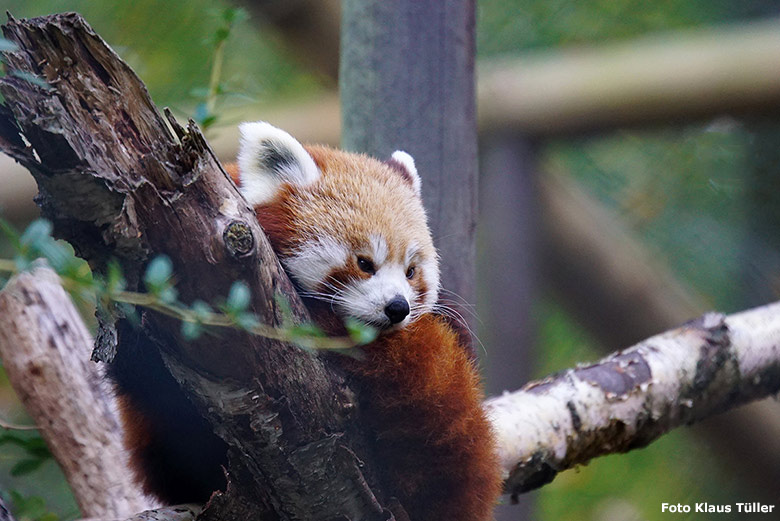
(349, 229)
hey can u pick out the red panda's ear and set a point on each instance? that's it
(268, 157)
(404, 164)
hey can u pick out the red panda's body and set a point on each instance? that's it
(352, 233)
(422, 398)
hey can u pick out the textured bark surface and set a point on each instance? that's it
(5, 514)
(45, 349)
(116, 182)
(175, 513)
(634, 396)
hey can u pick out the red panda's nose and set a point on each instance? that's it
(397, 309)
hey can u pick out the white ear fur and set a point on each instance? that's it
(269, 157)
(407, 162)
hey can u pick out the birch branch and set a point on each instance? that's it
(45, 349)
(5, 514)
(632, 397)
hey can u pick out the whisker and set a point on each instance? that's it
(455, 315)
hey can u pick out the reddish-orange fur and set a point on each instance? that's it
(422, 399)
(420, 395)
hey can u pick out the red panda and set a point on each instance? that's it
(352, 234)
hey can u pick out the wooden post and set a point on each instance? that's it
(508, 271)
(407, 82)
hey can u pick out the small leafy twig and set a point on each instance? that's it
(161, 295)
(205, 113)
(16, 427)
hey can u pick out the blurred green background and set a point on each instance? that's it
(702, 197)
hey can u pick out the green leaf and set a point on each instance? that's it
(359, 332)
(58, 256)
(32, 78)
(115, 280)
(201, 111)
(8, 45)
(232, 15)
(159, 272)
(199, 92)
(130, 313)
(221, 34)
(168, 295)
(201, 309)
(306, 330)
(11, 234)
(239, 297)
(9, 437)
(23, 262)
(206, 123)
(37, 233)
(247, 321)
(191, 330)
(26, 466)
(37, 447)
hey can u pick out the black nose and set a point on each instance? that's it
(397, 309)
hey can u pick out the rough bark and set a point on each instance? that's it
(174, 513)
(634, 396)
(117, 182)
(45, 346)
(5, 514)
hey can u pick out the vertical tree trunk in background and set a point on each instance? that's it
(507, 274)
(407, 82)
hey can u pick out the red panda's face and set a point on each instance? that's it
(349, 229)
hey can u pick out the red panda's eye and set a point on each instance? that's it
(366, 265)
(410, 272)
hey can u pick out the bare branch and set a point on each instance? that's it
(45, 349)
(634, 396)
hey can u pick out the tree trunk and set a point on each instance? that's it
(117, 183)
(407, 83)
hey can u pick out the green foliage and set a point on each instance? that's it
(238, 298)
(31, 78)
(7, 45)
(109, 290)
(360, 332)
(170, 44)
(205, 111)
(31, 508)
(35, 452)
(513, 25)
(681, 191)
